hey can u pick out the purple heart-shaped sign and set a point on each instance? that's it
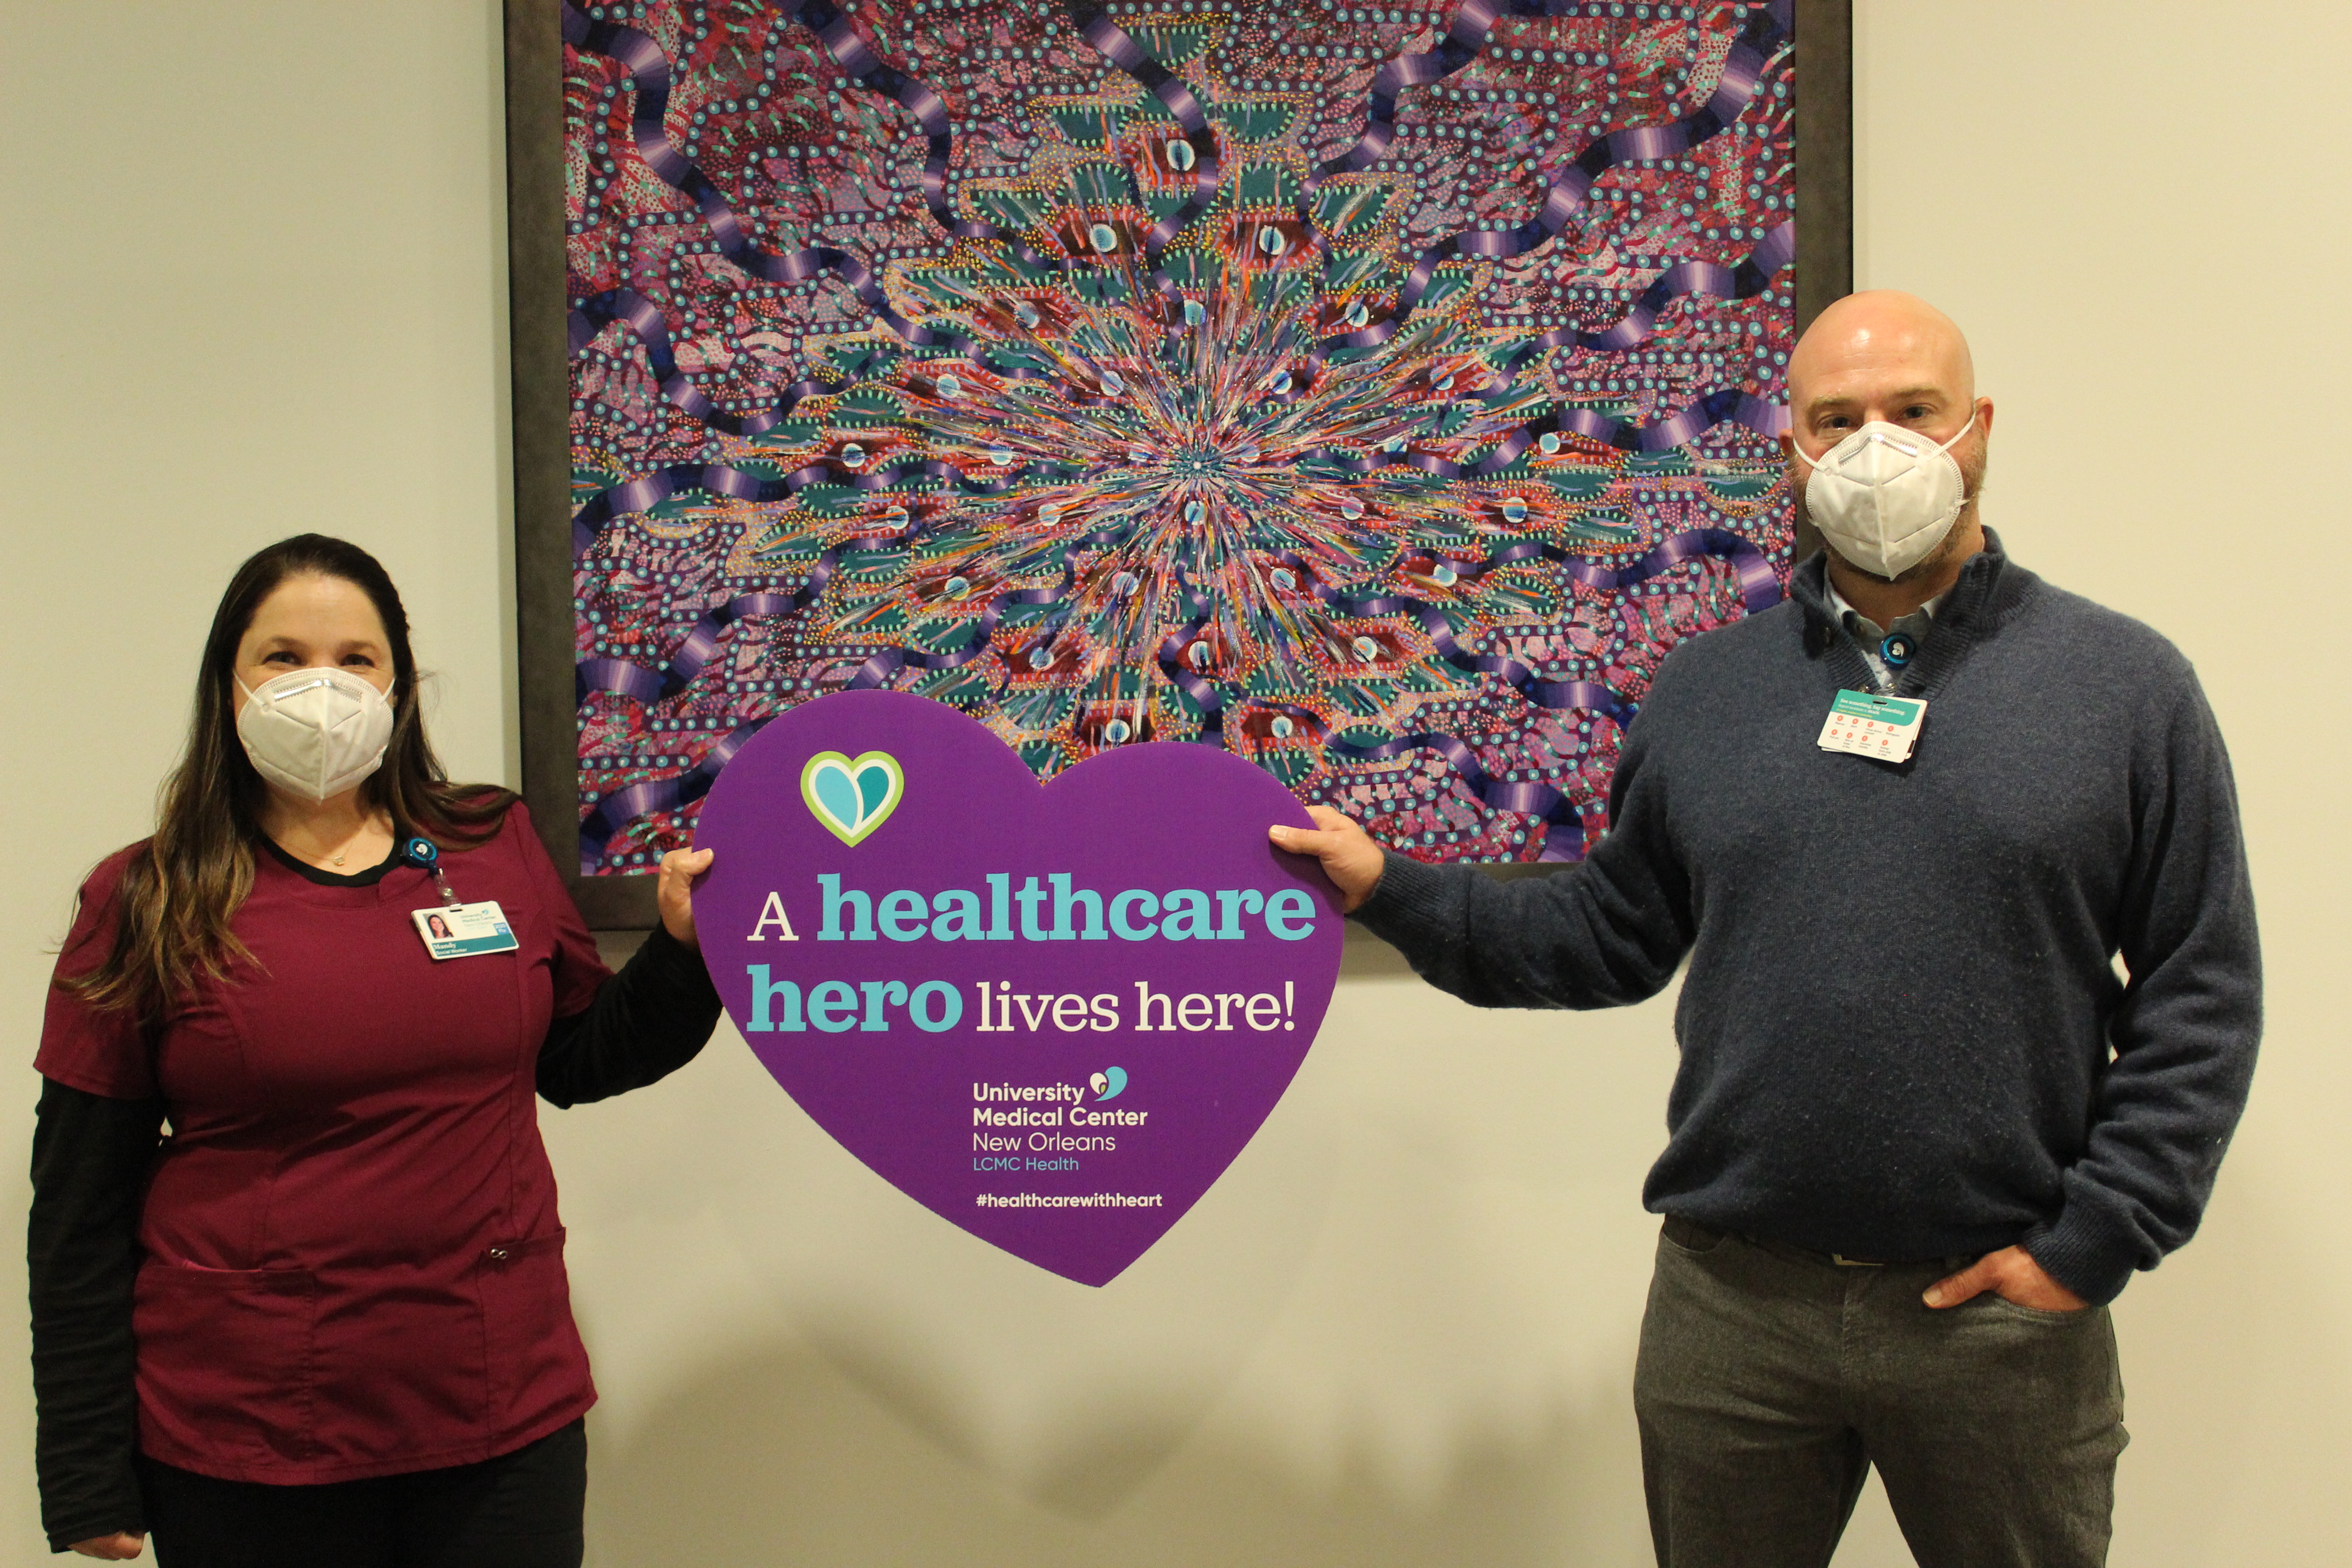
(1050, 1014)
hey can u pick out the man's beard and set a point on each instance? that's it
(1972, 483)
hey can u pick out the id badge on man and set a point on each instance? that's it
(464, 931)
(1884, 728)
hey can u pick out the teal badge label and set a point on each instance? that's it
(1867, 725)
(1895, 710)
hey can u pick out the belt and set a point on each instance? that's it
(1690, 1233)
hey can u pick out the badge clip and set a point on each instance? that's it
(425, 855)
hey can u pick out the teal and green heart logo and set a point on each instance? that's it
(852, 795)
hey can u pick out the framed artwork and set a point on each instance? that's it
(1376, 392)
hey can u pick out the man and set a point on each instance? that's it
(1923, 1131)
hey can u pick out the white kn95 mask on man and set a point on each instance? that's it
(315, 732)
(1886, 497)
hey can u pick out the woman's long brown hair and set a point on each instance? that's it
(181, 888)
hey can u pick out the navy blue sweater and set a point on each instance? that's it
(1902, 1035)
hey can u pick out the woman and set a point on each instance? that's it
(326, 1319)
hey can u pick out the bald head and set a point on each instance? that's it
(1871, 353)
(1888, 356)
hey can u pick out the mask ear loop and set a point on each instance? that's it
(1963, 430)
(1946, 450)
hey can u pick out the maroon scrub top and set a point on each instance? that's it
(353, 1264)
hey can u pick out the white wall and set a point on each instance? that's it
(253, 261)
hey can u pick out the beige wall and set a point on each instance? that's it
(252, 261)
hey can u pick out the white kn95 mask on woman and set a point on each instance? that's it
(1886, 497)
(315, 732)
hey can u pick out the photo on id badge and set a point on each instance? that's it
(462, 930)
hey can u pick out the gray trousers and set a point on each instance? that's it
(1770, 1380)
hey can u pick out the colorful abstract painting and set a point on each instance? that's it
(1378, 392)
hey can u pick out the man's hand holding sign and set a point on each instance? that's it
(1349, 857)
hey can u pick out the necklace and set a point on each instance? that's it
(323, 855)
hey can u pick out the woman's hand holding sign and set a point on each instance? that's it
(675, 894)
(1349, 857)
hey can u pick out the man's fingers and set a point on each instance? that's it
(1349, 857)
(1965, 1286)
(1329, 834)
(1303, 841)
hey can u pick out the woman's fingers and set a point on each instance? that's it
(675, 894)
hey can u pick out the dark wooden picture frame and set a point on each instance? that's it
(543, 465)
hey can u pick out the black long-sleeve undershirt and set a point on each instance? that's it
(92, 1158)
(646, 1022)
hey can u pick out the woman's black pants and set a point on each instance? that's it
(519, 1511)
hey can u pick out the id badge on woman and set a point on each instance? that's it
(462, 930)
(452, 930)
